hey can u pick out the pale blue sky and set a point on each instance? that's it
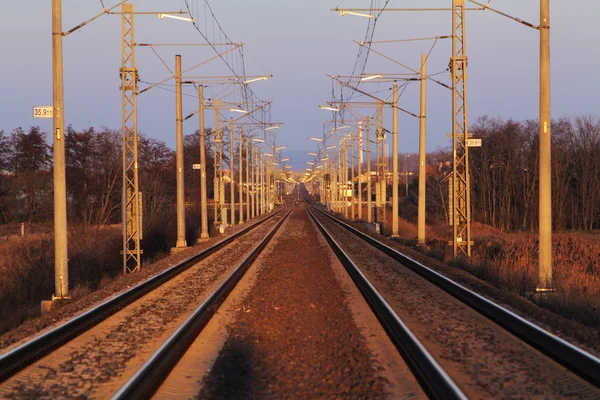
(299, 42)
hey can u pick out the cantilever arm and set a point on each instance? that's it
(253, 111)
(373, 97)
(402, 65)
(487, 7)
(106, 11)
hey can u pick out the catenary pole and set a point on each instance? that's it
(61, 268)
(545, 223)
(247, 178)
(240, 181)
(395, 162)
(353, 139)
(232, 173)
(422, 153)
(203, 194)
(369, 188)
(358, 172)
(181, 242)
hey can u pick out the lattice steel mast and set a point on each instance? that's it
(461, 201)
(218, 167)
(380, 185)
(130, 207)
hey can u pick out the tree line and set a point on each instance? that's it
(93, 174)
(505, 174)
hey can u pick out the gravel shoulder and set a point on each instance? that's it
(481, 357)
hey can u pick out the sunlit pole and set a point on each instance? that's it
(358, 172)
(268, 185)
(181, 242)
(345, 178)
(369, 188)
(422, 153)
(353, 139)
(262, 183)
(333, 183)
(254, 181)
(247, 178)
(203, 194)
(395, 161)
(232, 173)
(130, 200)
(545, 267)
(61, 268)
(240, 181)
(265, 193)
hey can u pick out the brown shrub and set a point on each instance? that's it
(27, 263)
(27, 269)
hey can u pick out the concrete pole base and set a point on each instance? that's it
(178, 249)
(203, 237)
(543, 295)
(46, 306)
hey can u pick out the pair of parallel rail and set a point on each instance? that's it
(434, 380)
(432, 377)
(24, 355)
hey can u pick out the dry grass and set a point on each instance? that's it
(509, 261)
(27, 263)
(27, 269)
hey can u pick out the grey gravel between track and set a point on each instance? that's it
(299, 339)
(98, 362)
(482, 358)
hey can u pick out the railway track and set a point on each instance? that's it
(153, 373)
(579, 378)
(448, 350)
(434, 380)
(17, 360)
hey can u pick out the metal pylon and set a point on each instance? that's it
(381, 184)
(461, 202)
(218, 141)
(130, 206)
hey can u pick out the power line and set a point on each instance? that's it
(248, 95)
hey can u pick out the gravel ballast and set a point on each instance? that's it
(298, 338)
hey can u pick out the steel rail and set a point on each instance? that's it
(582, 363)
(21, 357)
(433, 379)
(152, 374)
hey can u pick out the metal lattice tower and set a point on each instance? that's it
(461, 202)
(218, 184)
(131, 207)
(380, 185)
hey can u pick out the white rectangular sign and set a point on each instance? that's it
(42, 111)
(196, 166)
(473, 142)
